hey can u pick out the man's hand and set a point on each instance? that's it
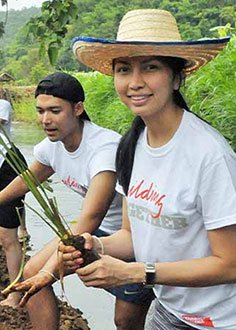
(32, 285)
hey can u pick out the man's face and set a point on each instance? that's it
(57, 117)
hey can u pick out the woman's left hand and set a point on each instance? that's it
(106, 272)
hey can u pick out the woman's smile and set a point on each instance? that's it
(139, 100)
(144, 84)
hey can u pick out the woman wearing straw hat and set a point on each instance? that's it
(177, 175)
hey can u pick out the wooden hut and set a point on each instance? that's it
(6, 77)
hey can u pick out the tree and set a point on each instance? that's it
(52, 30)
(51, 26)
(2, 24)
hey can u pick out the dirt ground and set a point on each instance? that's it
(70, 319)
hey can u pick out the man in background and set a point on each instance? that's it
(5, 122)
(5, 116)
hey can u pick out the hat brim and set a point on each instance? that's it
(99, 54)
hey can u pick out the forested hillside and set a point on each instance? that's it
(15, 20)
(19, 51)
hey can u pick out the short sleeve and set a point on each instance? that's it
(217, 193)
(120, 189)
(103, 159)
(41, 152)
(5, 110)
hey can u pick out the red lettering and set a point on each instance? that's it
(203, 321)
(148, 194)
(157, 215)
(134, 190)
(70, 183)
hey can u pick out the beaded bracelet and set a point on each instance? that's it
(47, 272)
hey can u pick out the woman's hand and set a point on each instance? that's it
(106, 272)
(71, 257)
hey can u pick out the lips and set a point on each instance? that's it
(139, 100)
(50, 130)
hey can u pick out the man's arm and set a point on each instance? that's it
(95, 206)
(96, 203)
(18, 188)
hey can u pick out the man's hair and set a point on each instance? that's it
(64, 86)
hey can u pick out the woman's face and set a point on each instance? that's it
(145, 84)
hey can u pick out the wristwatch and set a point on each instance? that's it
(150, 278)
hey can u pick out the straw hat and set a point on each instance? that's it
(146, 32)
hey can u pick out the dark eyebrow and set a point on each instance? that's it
(121, 62)
(49, 108)
(150, 60)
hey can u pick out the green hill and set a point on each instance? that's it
(15, 20)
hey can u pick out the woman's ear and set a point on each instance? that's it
(79, 108)
(178, 80)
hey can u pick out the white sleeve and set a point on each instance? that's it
(5, 114)
(120, 189)
(41, 152)
(217, 193)
(103, 159)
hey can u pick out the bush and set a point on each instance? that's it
(211, 92)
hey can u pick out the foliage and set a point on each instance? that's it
(51, 26)
(13, 20)
(19, 52)
(2, 24)
(211, 92)
(59, 21)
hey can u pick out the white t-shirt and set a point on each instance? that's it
(95, 154)
(2, 149)
(5, 114)
(178, 192)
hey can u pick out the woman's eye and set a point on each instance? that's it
(121, 69)
(151, 67)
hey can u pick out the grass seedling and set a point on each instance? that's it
(49, 212)
(8, 289)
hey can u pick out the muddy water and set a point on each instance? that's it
(97, 305)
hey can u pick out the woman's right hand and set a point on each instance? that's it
(72, 258)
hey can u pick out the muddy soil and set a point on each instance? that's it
(70, 318)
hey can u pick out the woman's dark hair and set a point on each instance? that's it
(126, 149)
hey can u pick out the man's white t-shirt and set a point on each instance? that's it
(177, 193)
(95, 154)
(5, 114)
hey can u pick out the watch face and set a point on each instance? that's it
(150, 270)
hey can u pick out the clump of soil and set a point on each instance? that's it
(10, 318)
